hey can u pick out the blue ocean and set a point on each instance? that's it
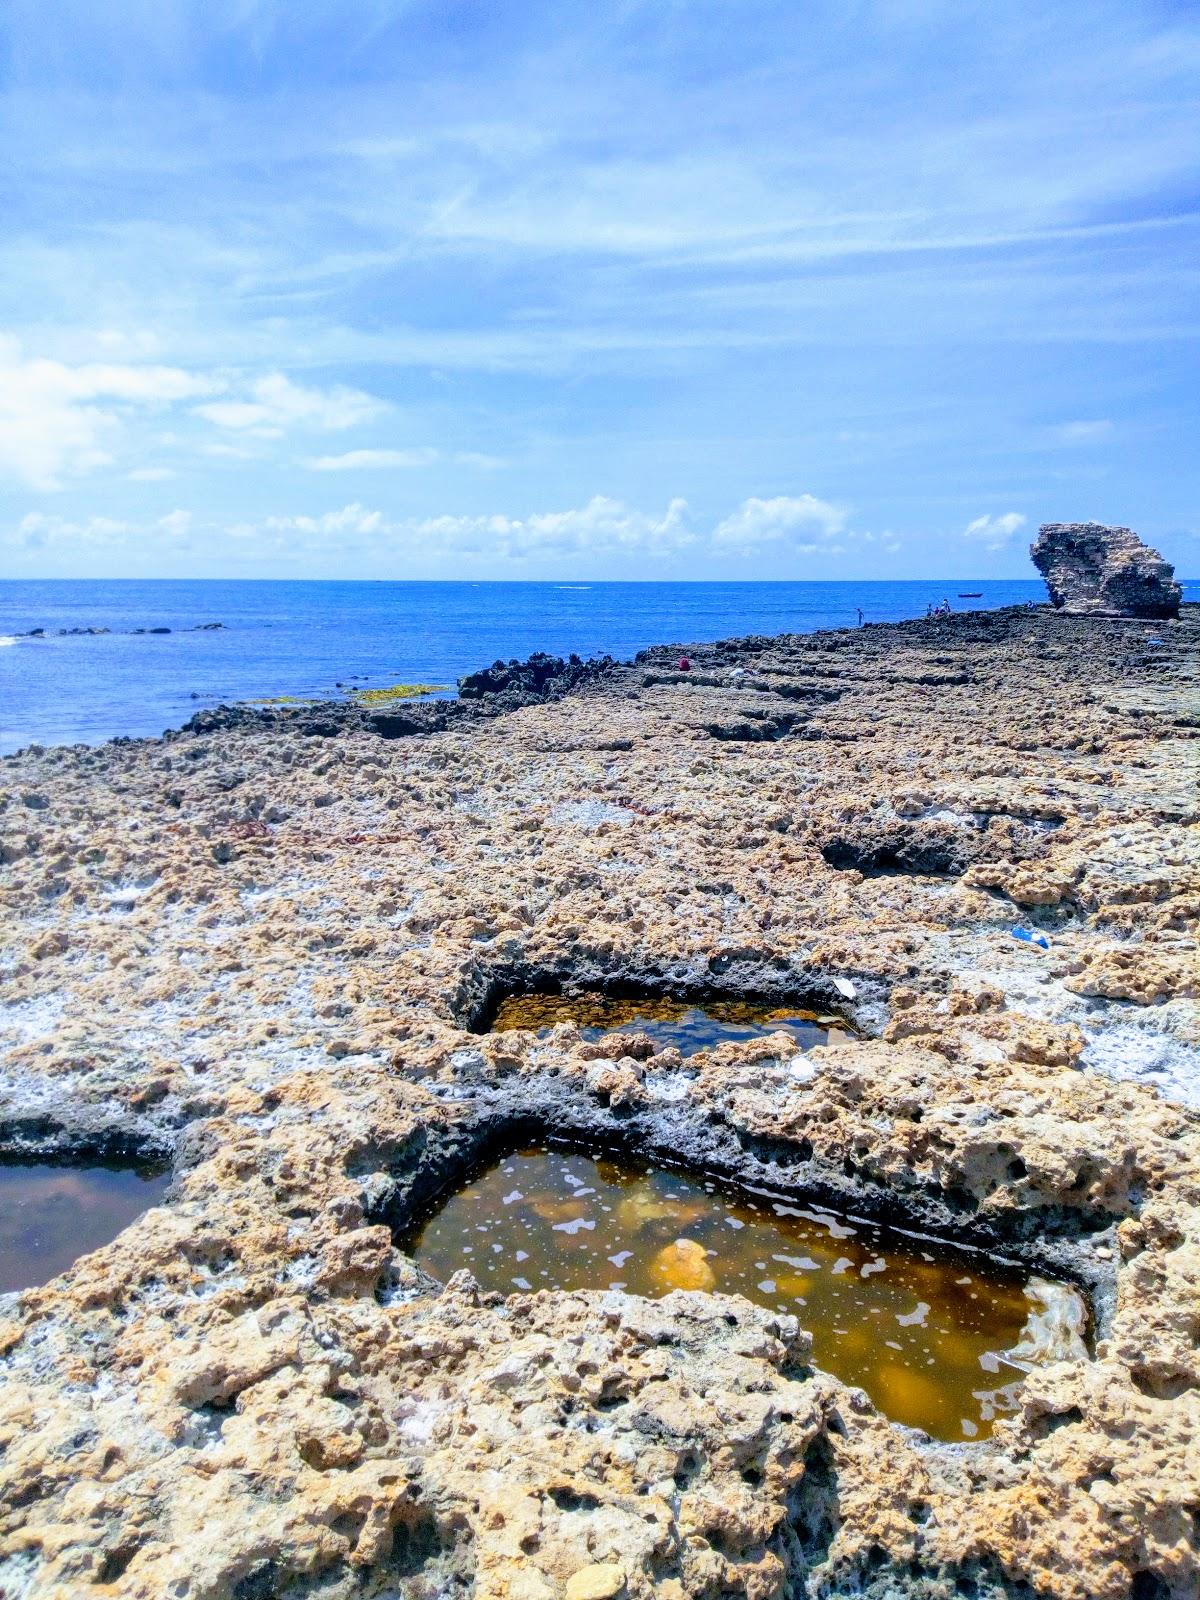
(305, 638)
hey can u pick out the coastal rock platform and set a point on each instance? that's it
(267, 950)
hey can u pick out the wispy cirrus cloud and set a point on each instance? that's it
(387, 459)
(373, 460)
(1083, 432)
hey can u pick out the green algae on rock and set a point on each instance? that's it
(394, 692)
(297, 700)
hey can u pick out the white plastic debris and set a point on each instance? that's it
(1055, 1326)
(844, 986)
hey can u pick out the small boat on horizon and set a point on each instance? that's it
(975, 594)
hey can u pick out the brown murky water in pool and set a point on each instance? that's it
(50, 1216)
(939, 1340)
(681, 1023)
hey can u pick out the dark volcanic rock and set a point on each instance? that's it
(502, 687)
(329, 719)
(1089, 567)
(540, 677)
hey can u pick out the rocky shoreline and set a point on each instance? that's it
(491, 692)
(264, 946)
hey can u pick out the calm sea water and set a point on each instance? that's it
(301, 638)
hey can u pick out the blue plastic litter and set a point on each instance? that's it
(1153, 641)
(1030, 938)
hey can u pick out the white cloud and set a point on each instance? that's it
(603, 532)
(1093, 432)
(771, 522)
(352, 520)
(370, 460)
(39, 531)
(229, 452)
(176, 524)
(59, 421)
(454, 212)
(274, 404)
(419, 456)
(603, 526)
(995, 532)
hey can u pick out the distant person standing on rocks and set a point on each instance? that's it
(861, 618)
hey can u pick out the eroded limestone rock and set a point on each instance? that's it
(1092, 568)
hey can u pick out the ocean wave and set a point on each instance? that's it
(7, 638)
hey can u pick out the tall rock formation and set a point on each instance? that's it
(1091, 568)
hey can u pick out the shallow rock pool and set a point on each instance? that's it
(939, 1339)
(51, 1215)
(682, 1023)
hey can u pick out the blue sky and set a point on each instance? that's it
(525, 289)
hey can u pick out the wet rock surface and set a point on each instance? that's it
(263, 953)
(1092, 568)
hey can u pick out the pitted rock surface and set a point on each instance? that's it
(262, 954)
(1092, 568)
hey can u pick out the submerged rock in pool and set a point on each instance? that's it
(684, 1265)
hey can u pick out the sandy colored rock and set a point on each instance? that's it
(598, 1582)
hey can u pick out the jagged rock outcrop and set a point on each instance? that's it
(540, 677)
(1092, 568)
